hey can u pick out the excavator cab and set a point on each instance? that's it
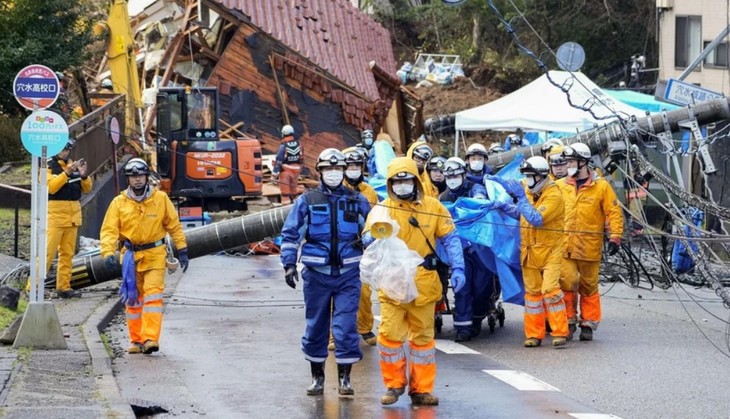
(192, 161)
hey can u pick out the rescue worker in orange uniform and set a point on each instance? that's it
(541, 212)
(591, 203)
(420, 152)
(140, 217)
(422, 220)
(67, 180)
(288, 164)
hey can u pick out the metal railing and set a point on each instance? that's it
(19, 194)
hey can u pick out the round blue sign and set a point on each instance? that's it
(44, 128)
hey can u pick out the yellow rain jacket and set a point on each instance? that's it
(142, 223)
(64, 213)
(541, 246)
(366, 190)
(428, 187)
(587, 211)
(433, 218)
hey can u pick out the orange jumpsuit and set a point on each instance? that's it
(143, 223)
(588, 208)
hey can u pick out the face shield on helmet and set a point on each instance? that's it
(454, 171)
(433, 167)
(496, 148)
(331, 166)
(136, 167)
(577, 156)
(421, 155)
(536, 171)
(558, 165)
(355, 161)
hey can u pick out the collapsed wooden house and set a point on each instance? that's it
(322, 66)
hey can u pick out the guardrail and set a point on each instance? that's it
(19, 194)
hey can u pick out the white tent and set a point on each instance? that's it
(541, 106)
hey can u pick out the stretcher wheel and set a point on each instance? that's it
(500, 315)
(438, 323)
(492, 322)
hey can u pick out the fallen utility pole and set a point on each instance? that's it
(598, 138)
(218, 237)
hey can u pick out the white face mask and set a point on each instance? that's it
(454, 183)
(353, 174)
(476, 165)
(572, 171)
(332, 178)
(367, 142)
(403, 189)
(534, 185)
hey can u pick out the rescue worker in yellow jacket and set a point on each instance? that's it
(420, 152)
(590, 203)
(67, 180)
(422, 220)
(540, 209)
(140, 217)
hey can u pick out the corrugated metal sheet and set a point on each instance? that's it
(332, 34)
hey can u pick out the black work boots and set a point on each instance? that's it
(343, 372)
(317, 386)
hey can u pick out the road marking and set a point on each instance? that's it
(521, 380)
(450, 347)
(593, 416)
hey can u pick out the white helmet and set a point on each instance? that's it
(535, 166)
(453, 166)
(496, 148)
(476, 149)
(287, 130)
(577, 151)
(331, 157)
(514, 139)
(106, 83)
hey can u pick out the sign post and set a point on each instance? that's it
(44, 133)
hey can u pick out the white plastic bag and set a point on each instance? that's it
(388, 264)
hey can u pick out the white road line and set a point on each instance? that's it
(593, 416)
(521, 380)
(450, 347)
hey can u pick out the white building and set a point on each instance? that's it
(685, 28)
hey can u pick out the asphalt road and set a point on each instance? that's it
(231, 338)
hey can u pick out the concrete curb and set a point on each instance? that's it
(100, 360)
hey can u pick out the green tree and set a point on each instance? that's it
(49, 32)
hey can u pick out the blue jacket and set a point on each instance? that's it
(468, 189)
(478, 177)
(330, 223)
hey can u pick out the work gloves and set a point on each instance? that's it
(111, 263)
(458, 280)
(182, 256)
(291, 275)
(613, 246)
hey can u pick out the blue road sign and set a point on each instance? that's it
(683, 93)
(44, 128)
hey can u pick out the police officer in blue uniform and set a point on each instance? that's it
(328, 220)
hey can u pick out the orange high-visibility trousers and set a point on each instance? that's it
(569, 284)
(144, 320)
(365, 318)
(542, 292)
(401, 321)
(61, 240)
(590, 299)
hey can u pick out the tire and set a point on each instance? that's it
(492, 323)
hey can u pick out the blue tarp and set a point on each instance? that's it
(681, 259)
(640, 100)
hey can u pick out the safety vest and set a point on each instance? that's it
(292, 152)
(71, 191)
(333, 229)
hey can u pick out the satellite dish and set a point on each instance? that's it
(571, 56)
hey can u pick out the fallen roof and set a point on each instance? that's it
(332, 34)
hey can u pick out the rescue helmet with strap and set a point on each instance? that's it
(331, 157)
(136, 167)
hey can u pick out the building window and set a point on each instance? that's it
(717, 58)
(688, 40)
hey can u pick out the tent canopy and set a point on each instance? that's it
(640, 100)
(541, 106)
